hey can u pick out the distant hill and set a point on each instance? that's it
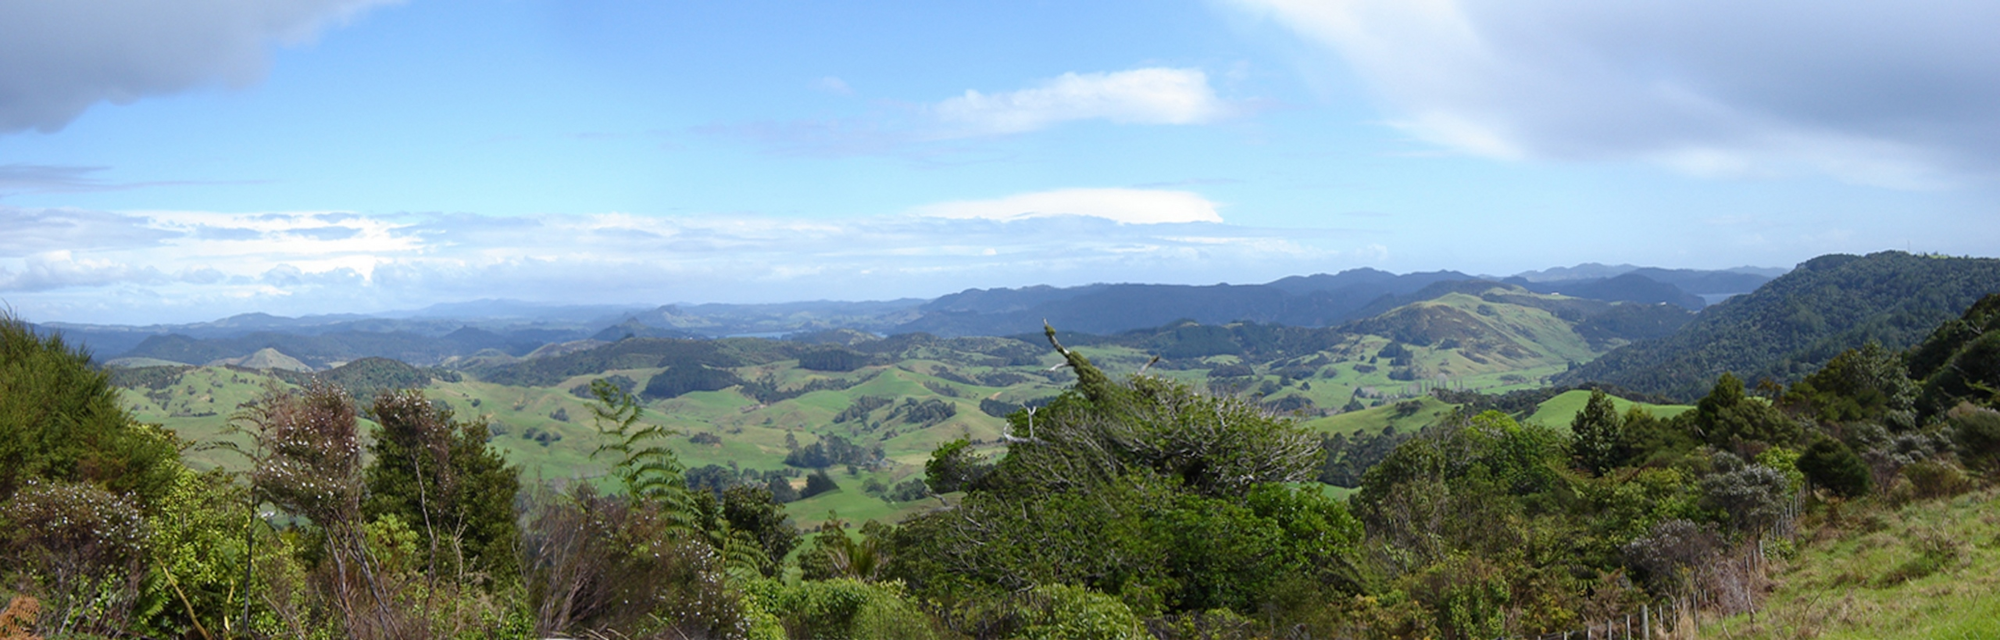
(266, 358)
(633, 328)
(321, 351)
(1306, 301)
(1695, 281)
(1795, 323)
(1628, 287)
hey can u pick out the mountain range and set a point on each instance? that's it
(515, 328)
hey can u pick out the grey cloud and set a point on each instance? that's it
(1903, 94)
(59, 58)
(207, 232)
(285, 276)
(204, 275)
(326, 233)
(41, 177)
(25, 231)
(57, 270)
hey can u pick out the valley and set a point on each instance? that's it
(905, 395)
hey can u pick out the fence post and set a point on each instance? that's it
(1646, 620)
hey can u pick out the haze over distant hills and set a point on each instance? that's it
(515, 328)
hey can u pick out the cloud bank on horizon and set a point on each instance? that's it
(185, 161)
(170, 266)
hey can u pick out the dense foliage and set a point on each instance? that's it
(60, 420)
(1796, 323)
(439, 476)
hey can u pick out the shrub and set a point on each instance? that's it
(621, 567)
(1670, 551)
(1932, 479)
(1752, 495)
(1831, 464)
(1975, 432)
(1066, 612)
(82, 547)
(62, 420)
(843, 608)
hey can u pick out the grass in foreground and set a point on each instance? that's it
(1928, 570)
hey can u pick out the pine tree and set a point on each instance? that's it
(1595, 433)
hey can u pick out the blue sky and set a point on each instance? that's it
(174, 163)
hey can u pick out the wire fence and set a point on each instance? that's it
(1728, 585)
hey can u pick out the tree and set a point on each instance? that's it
(1751, 494)
(834, 554)
(752, 511)
(308, 463)
(1831, 464)
(954, 467)
(439, 474)
(1869, 383)
(818, 482)
(1975, 431)
(1596, 433)
(1171, 499)
(60, 420)
(1726, 415)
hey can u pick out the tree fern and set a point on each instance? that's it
(649, 470)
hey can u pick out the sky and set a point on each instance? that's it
(186, 161)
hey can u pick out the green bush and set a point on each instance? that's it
(1066, 612)
(842, 609)
(440, 476)
(1975, 431)
(1831, 464)
(61, 420)
(1931, 479)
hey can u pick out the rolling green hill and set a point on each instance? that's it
(748, 403)
(1557, 412)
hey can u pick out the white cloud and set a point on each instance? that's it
(57, 58)
(59, 269)
(1140, 96)
(1896, 94)
(1125, 206)
(221, 264)
(949, 130)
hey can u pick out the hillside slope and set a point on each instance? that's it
(1799, 321)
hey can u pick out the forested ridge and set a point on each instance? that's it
(1794, 324)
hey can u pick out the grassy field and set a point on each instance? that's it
(1557, 412)
(1428, 410)
(1926, 571)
